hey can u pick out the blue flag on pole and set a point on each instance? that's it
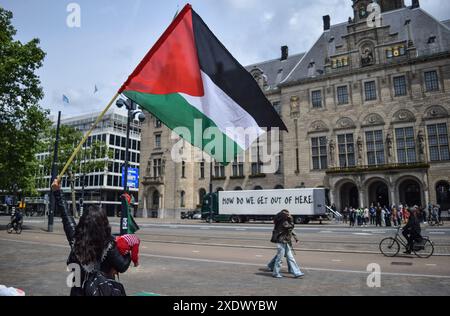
(65, 99)
(95, 89)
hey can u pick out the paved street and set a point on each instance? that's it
(194, 258)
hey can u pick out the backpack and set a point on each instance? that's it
(97, 284)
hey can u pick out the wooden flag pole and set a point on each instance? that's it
(86, 137)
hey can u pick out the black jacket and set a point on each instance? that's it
(112, 258)
(413, 225)
(283, 230)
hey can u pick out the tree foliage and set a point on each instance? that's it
(22, 120)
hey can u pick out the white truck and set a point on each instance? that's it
(242, 206)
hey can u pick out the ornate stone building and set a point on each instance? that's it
(367, 108)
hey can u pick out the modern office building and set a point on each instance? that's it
(102, 187)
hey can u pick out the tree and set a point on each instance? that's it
(94, 156)
(22, 120)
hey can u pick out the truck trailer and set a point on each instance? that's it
(262, 205)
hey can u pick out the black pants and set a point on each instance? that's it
(411, 236)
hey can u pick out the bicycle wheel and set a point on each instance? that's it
(19, 229)
(427, 251)
(389, 247)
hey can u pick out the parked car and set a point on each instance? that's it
(197, 216)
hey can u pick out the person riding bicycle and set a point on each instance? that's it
(411, 231)
(16, 218)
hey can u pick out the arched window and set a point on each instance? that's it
(182, 195)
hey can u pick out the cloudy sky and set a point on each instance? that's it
(114, 35)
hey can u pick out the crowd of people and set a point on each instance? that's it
(387, 216)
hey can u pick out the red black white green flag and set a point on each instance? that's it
(189, 77)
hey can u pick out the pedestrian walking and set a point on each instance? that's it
(282, 235)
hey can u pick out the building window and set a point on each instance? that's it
(158, 141)
(158, 123)
(111, 140)
(431, 81)
(316, 99)
(370, 90)
(346, 147)
(157, 168)
(202, 170)
(339, 62)
(183, 169)
(406, 145)
(277, 107)
(342, 95)
(400, 86)
(395, 51)
(238, 168)
(219, 170)
(182, 195)
(438, 142)
(256, 168)
(375, 148)
(319, 153)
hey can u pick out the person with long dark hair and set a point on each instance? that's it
(92, 245)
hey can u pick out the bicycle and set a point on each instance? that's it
(16, 227)
(390, 247)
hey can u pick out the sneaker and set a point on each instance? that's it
(408, 252)
(299, 276)
(279, 276)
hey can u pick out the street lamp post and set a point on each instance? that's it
(132, 113)
(83, 179)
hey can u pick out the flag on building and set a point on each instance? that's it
(95, 89)
(65, 99)
(189, 77)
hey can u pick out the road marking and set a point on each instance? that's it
(431, 264)
(195, 251)
(325, 232)
(363, 234)
(436, 233)
(175, 227)
(306, 268)
(204, 228)
(399, 263)
(259, 256)
(241, 229)
(243, 263)
(336, 260)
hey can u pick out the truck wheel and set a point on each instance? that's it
(298, 220)
(305, 221)
(234, 219)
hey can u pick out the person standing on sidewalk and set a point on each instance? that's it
(92, 246)
(282, 235)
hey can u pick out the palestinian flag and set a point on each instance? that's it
(131, 225)
(189, 79)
